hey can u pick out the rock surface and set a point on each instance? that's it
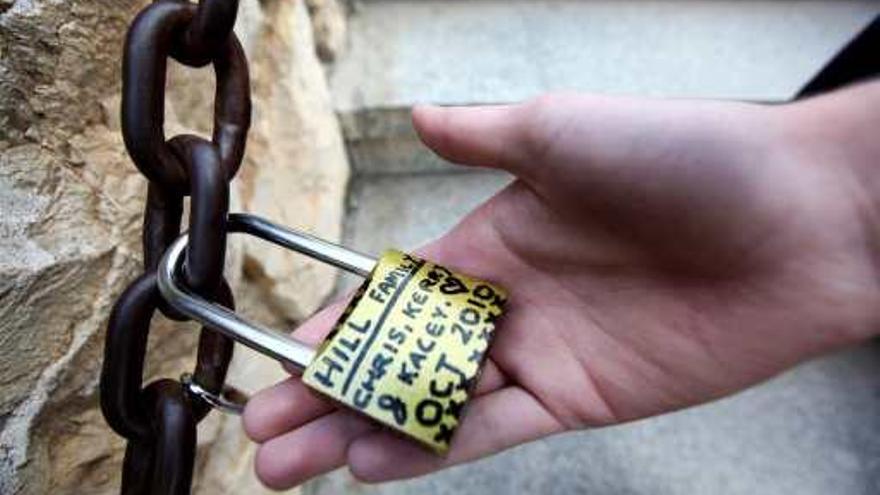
(329, 26)
(71, 205)
(296, 171)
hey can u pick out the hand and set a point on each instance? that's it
(659, 254)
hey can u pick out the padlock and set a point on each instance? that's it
(406, 351)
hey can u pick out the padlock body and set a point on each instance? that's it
(408, 348)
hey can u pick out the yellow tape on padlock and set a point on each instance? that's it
(408, 349)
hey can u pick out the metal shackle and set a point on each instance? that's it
(265, 340)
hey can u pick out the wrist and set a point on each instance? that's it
(842, 130)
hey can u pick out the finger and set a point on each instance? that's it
(313, 331)
(491, 379)
(494, 422)
(281, 408)
(315, 448)
(485, 136)
(291, 404)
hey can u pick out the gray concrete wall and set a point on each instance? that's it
(403, 52)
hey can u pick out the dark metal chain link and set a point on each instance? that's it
(159, 420)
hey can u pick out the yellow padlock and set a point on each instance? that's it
(406, 351)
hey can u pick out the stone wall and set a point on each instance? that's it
(70, 214)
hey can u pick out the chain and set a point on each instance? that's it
(159, 420)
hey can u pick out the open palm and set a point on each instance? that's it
(658, 254)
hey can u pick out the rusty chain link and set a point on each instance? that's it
(159, 420)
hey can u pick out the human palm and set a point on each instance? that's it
(658, 254)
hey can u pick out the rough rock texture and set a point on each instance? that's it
(296, 172)
(329, 26)
(71, 205)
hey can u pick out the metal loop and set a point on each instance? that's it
(265, 340)
(124, 348)
(163, 461)
(160, 420)
(162, 216)
(144, 64)
(214, 354)
(122, 401)
(174, 428)
(209, 203)
(209, 192)
(209, 29)
(137, 467)
(232, 105)
(148, 44)
(230, 400)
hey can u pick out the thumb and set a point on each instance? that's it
(483, 136)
